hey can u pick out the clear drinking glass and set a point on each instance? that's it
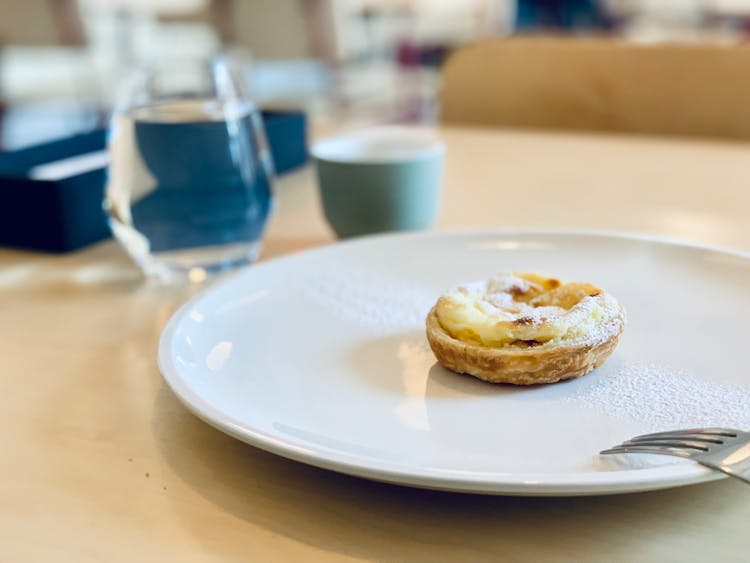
(190, 178)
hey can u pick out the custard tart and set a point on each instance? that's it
(524, 329)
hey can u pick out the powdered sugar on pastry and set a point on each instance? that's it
(527, 309)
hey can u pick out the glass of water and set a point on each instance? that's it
(190, 179)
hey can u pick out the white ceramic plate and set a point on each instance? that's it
(321, 357)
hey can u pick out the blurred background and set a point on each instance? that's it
(359, 61)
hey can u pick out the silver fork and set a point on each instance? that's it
(725, 449)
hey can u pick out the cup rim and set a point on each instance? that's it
(418, 144)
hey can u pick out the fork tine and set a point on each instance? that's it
(695, 440)
(692, 432)
(647, 450)
(701, 446)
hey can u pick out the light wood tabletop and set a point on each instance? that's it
(102, 463)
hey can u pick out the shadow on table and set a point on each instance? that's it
(365, 519)
(102, 268)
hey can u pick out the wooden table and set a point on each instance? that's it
(101, 463)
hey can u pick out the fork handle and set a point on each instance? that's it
(741, 470)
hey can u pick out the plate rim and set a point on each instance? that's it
(560, 484)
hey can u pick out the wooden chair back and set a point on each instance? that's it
(600, 85)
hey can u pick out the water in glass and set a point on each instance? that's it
(190, 179)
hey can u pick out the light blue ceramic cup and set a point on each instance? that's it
(379, 179)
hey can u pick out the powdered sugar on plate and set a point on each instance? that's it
(652, 396)
(659, 398)
(370, 299)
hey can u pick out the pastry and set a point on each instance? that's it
(524, 328)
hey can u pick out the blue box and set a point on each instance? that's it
(287, 137)
(66, 214)
(54, 216)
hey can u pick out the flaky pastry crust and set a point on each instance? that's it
(547, 363)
